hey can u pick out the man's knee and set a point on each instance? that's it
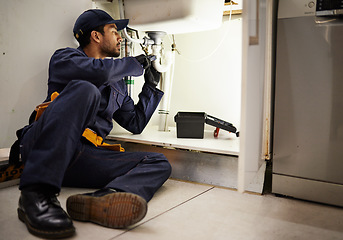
(167, 167)
(164, 164)
(86, 92)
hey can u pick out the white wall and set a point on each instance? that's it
(31, 30)
(208, 72)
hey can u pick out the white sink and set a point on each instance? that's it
(174, 16)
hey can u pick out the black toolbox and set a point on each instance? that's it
(191, 124)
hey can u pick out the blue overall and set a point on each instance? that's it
(92, 93)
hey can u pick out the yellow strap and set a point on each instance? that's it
(89, 134)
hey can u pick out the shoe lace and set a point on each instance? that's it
(48, 198)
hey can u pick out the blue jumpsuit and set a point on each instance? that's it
(92, 93)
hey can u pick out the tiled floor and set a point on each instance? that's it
(183, 210)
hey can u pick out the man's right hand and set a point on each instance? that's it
(144, 60)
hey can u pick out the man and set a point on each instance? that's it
(64, 146)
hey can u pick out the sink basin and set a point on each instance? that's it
(174, 16)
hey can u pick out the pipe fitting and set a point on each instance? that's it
(145, 41)
(156, 50)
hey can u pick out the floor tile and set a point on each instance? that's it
(10, 225)
(171, 194)
(14, 229)
(223, 214)
(182, 210)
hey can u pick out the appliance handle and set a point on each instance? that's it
(329, 20)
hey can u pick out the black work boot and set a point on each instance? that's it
(43, 215)
(108, 208)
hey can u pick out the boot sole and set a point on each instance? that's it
(45, 233)
(115, 210)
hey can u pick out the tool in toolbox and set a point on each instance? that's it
(220, 124)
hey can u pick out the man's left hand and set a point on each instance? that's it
(151, 76)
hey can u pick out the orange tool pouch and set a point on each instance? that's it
(41, 107)
(89, 134)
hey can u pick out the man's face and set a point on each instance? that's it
(111, 39)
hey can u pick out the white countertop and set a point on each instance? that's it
(225, 143)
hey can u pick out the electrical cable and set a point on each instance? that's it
(215, 50)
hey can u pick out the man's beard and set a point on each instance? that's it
(109, 51)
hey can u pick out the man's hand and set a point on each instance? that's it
(144, 60)
(151, 76)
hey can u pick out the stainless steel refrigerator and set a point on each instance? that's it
(308, 107)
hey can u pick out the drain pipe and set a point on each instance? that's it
(157, 37)
(166, 87)
(166, 82)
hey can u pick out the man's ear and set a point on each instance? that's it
(95, 36)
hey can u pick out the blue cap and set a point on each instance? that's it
(93, 18)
